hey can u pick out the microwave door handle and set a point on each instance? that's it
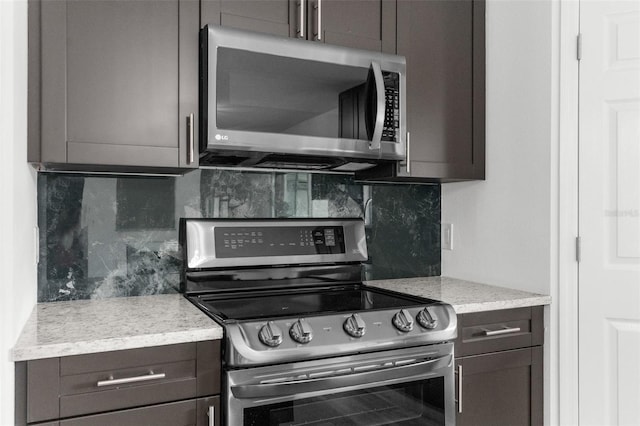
(272, 390)
(380, 110)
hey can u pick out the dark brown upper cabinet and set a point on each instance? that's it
(364, 24)
(113, 85)
(444, 45)
(264, 16)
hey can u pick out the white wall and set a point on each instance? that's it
(502, 225)
(505, 228)
(17, 195)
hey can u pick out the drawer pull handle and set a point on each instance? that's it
(502, 331)
(111, 381)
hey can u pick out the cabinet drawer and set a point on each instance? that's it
(192, 412)
(126, 387)
(94, 383)
(483, 332)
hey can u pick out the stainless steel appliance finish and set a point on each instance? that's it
(305, 340)
(330, 337)
(279, 102)
(412, 386)
(201, 253)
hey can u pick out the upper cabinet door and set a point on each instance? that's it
(364, 24)
(265, 16)
(439, 39)
(119, 82)
(443, 42)
(444, 45)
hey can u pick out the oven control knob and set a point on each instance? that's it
(301, 331)
(270, 334)
(403, 321)
(426, 320)
(355, 326)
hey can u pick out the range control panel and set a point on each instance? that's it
(283, 339)
(233, 243)
(257, 241)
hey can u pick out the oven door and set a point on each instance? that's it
(412, 386)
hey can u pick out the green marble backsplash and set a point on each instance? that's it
(117, 236)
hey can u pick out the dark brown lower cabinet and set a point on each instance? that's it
(499, 368)
(175, 413)
(165, 385)
(500, 388)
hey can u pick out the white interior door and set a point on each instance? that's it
(609, 213)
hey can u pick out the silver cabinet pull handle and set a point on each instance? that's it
(111, 381)
(301, 5)
(502, 331)
(319, 20)
(459, 400)
(408, 157)
(211, 412)
(190, 133)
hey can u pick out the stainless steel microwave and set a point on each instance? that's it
(276, 102)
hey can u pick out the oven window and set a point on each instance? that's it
(408, 404)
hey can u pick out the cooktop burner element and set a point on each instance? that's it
(303, 302)
(290, 290)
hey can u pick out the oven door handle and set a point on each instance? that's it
(269, 390)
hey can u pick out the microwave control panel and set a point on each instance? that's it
(391, 128)
(353, 104)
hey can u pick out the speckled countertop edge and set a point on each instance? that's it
(464, 296)
(89, 326)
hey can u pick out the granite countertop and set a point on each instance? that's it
(87, 326)
(464, 296)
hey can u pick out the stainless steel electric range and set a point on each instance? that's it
(305, 341)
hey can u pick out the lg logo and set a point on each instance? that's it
(220, 137)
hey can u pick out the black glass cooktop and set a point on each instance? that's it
(303, 302)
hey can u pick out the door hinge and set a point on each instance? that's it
(579, 46)
(578, 249)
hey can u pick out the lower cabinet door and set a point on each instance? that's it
(184, 413)
(205, 408)
(500, 388)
